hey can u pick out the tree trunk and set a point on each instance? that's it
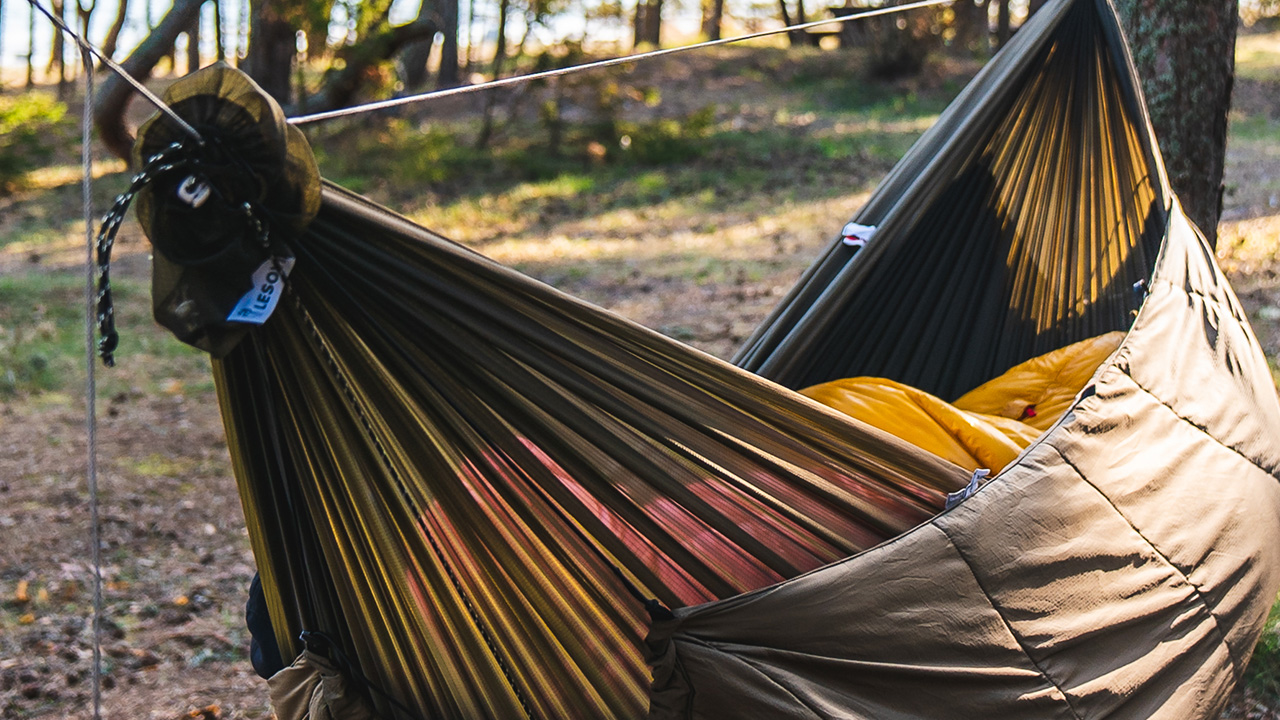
(712, 18)
(415, 56)
(499, 54)
(193, 45)
(113, 34)
(219, 42)
(1, 44)
(55, 45)
(31, 46)
(500, 44)
(971, 27)
(1185, 54)
(1004, 23)
(471, 21)
(342, 85)
(84, 15)
(114, 94)
(793, 38)
(64, 87)
(448, 73)
(272, 45)
(648, 22)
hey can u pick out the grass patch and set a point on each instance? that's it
(42, 340)
(1258, 56)
(1263, 673)
(31, 126)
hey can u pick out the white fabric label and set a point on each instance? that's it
(261, 300)
(856, 235)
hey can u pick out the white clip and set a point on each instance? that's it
(194, 191)
(959, 496)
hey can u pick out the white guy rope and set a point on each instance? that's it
(449, 92)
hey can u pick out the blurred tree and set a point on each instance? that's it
(31, 46)
(219, 42)
(1185, 54)
(193, 44)
(900, 44)
(1004, 22)
(114, 94)
(796, 38)
(113, 33)
(272, 45)
(315, 19)
(712, 18)
(55, 45)
(415, 56)
(1, 42)
(84, 14)
(362, 62)
(648, 23)
(969, 23)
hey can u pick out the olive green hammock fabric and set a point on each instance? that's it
(469, 480)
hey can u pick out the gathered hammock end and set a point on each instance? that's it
(223, 213)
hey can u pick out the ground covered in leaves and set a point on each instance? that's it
(698, 244)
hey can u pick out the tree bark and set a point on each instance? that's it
(499, 54)
(648, 22)
(272, 45)
(794, 39)
(193, 45)
(971, 26)
(1004, 23)
(1185, 54)
(31, 46)
(341, 85)
(114, 94)
(1, 43)
(219, 42)
(416, 54)
(712, 18)
(55, 45)
(448, 73)
(113, 34)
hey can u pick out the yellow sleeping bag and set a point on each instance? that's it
(988, 426)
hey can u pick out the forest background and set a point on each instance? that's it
(686, 193)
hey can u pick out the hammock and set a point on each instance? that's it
(500, 501)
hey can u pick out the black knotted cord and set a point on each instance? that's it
(179, 156)
(161, 163)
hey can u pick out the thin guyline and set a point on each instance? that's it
(558, 72)
(91, 390)
(87, 46)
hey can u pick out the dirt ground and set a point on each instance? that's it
(174, 549)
